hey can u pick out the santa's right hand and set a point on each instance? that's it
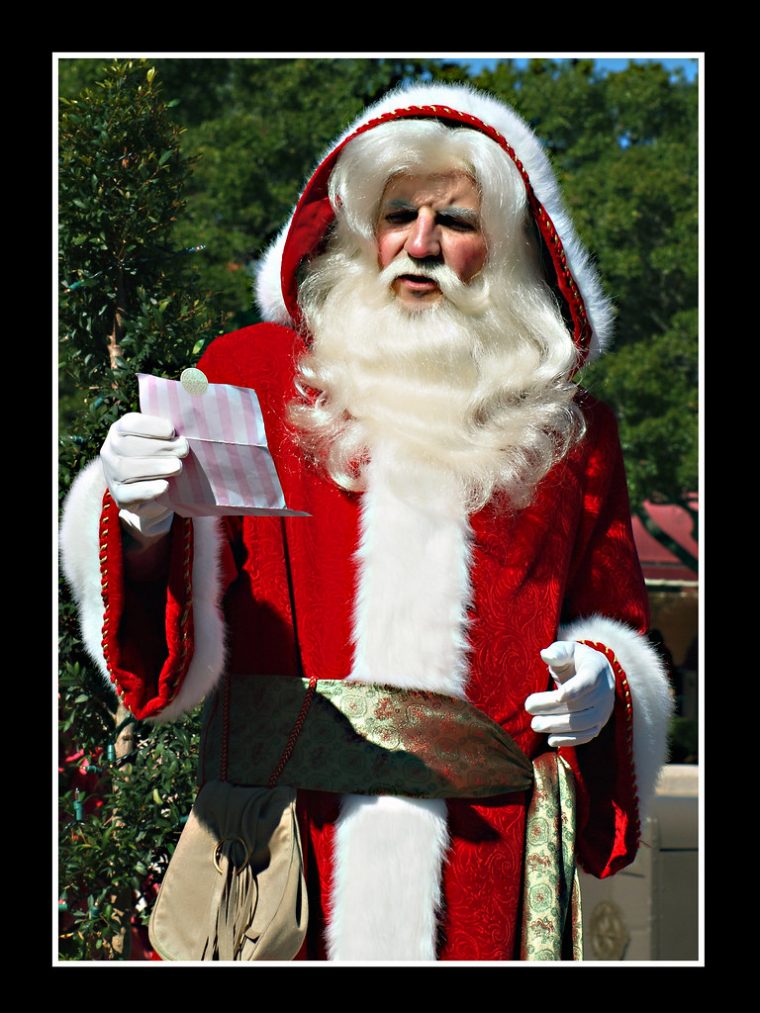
(141, 453)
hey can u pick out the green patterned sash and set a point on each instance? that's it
(551, 928)
(359, 738)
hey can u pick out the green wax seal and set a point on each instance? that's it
(194, 381)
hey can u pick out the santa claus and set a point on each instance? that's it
(468, 533)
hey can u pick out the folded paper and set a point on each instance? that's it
(229, 470)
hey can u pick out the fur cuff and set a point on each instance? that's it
(80, 549)
(650, 692)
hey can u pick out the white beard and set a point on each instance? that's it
(457, 388)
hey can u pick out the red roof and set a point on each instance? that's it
(657, 561)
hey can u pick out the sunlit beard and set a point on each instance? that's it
(466, 386)
(405, 376)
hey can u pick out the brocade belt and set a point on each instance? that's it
(357, 738)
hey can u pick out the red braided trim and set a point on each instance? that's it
(107, 639)
(290, 745)
(225, 761)
(625, 691)
(184, 620)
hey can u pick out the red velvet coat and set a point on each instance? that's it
(570, 554)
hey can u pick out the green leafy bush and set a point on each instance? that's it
(129, 302)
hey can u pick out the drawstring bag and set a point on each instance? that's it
(235, 887)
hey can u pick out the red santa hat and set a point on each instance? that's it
(570, 272)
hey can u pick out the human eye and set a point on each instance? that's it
(458, 223)
(400, 217)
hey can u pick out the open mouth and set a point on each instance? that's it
(418, 280)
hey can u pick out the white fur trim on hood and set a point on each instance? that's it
(528, 148)
(650, 693)
(80, 558)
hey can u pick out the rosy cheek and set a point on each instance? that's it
(469, 263)
(384, 247)
(476, 258)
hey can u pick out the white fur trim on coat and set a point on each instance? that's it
(414, 584)
(528, 148)
(409, 630)
(650, 694)
(388, 858)
(79, 544)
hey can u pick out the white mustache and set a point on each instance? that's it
(444, 277)
(464, 297)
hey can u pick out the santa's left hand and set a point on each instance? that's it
(581, 705)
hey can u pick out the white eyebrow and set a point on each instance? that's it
(396, 202)
(467, 214)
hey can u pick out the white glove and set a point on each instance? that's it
(581, 705)
(140, 454)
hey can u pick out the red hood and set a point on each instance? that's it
(587, 310)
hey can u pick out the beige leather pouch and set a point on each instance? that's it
(235, 887)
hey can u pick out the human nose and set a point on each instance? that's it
(423, 239)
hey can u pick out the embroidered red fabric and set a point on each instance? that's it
(571, 553)
(147, 659)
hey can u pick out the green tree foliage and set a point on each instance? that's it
(625, 149)
(127, 303)
(119, 819)
(273, 121)
(257, 128)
